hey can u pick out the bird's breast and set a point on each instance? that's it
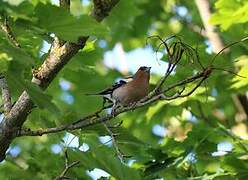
(130, 93)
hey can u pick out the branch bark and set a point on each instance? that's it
(102, 8)
(65, 4)
(5, 95)
(204, 10)
(9, 33)
(60, 54)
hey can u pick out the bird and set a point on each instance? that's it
(125, 93)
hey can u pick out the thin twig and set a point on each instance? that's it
(193, 90)
(226, 47)
(228, 71)
(67, 168)
(5, 94)
(116, 125)
(178, 49)
(184, 82)
(115, 145)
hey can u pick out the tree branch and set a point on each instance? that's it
(67, 168)
(204, 10)
(5, 94)
(65, 4)
(102, 8)
(59, 55)
(115, 145)
(9, 33)
(94, 118)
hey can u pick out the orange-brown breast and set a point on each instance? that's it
(133, 91)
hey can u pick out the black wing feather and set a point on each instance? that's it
(110, 89)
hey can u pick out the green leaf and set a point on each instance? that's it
(41, 99)
(89, 46)
(238, 81)
(154, 109)
(66, 26)
(14, 53)
(207, 164)
(4, 62)
(102, 157)
(233, 164)
(230, 12)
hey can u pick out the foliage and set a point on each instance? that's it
(230, 12)
(193, 128)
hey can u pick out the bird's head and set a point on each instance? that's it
(143, 73)
(144, 69)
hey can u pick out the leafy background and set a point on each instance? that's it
(190, 138)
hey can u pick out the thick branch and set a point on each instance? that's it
(9, 33)
(102, 8)
(5, 94)
(204, 10)
(60, 54)
(65, 4)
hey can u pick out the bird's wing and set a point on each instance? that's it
(109, 90)
(112, 88)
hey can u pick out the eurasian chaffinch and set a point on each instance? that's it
(127, 93)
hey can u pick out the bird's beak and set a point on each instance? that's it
(148, 69)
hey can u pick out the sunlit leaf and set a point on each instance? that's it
(66, 26)
(41, 99)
